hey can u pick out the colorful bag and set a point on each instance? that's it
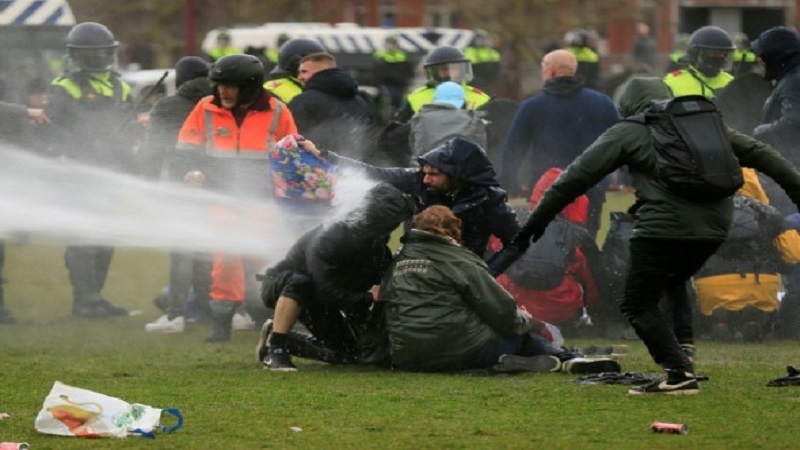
(297, 174)
(71, 411)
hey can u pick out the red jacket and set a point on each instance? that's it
(565, 302)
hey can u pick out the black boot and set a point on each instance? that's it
(221, 315)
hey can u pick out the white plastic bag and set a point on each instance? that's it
(72, 411)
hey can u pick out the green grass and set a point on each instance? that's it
(229, 402)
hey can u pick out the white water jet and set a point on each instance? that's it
(83, 204)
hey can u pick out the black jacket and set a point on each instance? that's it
(480, 203)
(166, 119)
(332, 113)
(346, 258)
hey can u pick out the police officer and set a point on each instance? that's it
(708, 56)
(224, 47)
(393, 70)
(273, 53)
(484, 58)
(445, 63)
(744, 59)
(676, 57)
(92, 113)
(578, 42)
(284, 84)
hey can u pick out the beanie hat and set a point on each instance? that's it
(778, 47)
(189, 68)
(449, 92)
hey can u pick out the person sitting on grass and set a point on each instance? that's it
(445, 312)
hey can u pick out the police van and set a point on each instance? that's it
(351, 44)
(31, 44)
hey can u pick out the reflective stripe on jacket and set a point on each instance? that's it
(213, 130)
(690, 82)
(285, 89)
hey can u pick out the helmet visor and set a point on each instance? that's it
(460, 72)
(94, 59)
(710, 61)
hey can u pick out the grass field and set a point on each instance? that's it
(229, 402)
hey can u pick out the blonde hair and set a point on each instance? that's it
(440, 221)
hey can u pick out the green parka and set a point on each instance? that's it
(442, 304)
(659, 213)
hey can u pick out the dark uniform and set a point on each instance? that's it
(91, 109)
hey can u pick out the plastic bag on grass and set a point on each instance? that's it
(72, 411)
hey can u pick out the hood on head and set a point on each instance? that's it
(779, 47)
(462, 159)
(385, 208)
(638, 94)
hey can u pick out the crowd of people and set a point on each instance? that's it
(476, 284)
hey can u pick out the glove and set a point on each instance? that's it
(526, 236)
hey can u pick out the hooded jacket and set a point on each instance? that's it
(659, 213)
(166, 119)
(552, 128)
(780, 117)
(442, 304)
(330, 111)
(480, 202)
(346, 258)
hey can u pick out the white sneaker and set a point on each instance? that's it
(242, 322)
(164, 325)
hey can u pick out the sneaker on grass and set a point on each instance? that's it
(164, 325)
(278, 360)
(242, 322)
(514, 363)
(684, 383)
(263, 339)
(587, 365)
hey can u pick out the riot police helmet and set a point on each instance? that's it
(292, 52)
(577, 37)
(244, 71)
(447, 63)
(710, 50)
(92, 47)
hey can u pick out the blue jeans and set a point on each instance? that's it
(526, 345)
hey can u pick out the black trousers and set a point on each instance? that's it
(337, 331)
(659, 267)
(88, 268)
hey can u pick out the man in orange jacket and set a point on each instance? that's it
(224, 144)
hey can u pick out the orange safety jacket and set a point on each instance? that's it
(235, 159)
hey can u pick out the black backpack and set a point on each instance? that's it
(694, 158)
(544, 264)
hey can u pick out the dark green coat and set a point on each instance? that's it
(442, 304)
(659, 213)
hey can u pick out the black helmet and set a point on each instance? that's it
(292, 52)
(710, 50)
(245, 71)
(577, 38)
(447, 63)
(282, 39)
(91, 46)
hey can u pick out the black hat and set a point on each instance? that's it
(189, 68)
